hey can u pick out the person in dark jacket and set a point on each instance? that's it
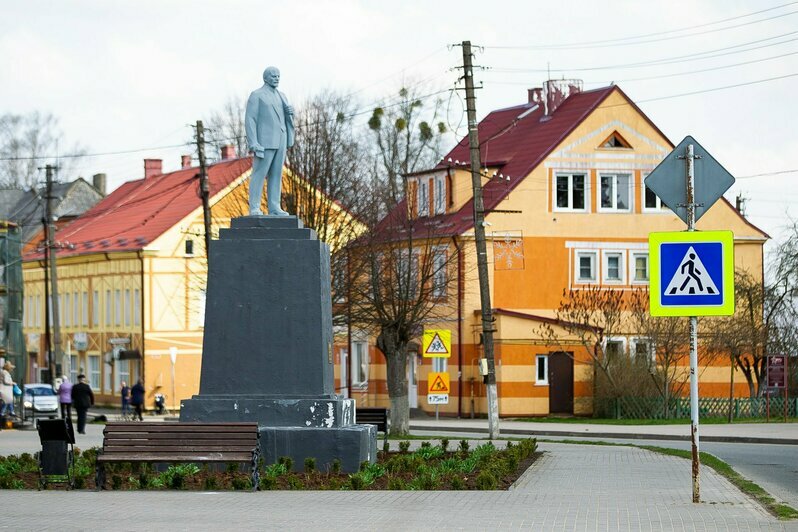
(82, 399)
(137, 398)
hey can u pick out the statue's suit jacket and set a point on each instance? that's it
(266, 122)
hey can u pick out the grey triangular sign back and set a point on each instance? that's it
(669, 180)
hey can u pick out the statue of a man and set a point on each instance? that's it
(269, 123)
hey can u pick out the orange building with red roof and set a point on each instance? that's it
(566, 208)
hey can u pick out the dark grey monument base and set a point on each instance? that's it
(272, 411)
(350, 445)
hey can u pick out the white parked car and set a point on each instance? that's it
(40, 400)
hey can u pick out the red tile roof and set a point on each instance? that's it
(140, 211)
(515, 144)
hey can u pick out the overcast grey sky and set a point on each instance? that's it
(123, 75)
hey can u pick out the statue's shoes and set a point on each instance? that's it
(256, 213)
(279, 213)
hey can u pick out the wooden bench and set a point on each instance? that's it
(373, 416)
(164, 442)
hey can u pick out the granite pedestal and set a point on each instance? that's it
(267, 349)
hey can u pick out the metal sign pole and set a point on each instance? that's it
(690, 158)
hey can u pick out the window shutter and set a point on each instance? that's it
(412, 208)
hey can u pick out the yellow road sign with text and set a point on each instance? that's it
(438, 383)
(437, 343)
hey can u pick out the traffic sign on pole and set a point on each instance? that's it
(437, 343)
(692, 273)
(667, 180)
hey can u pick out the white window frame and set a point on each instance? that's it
(84, 309)
(127, 307)
(633, 268)
(614, 194)
(359, 349)
(109, 316)
(439, 198)
(118, 307)
(577, 269)
(570, 176)
(407, 259)
(605, 266)
(39, 311)
(440, 276)
(660, 208)
(642, 339)
(95, 309)
(422, 195)
(544, 361)
(75, 309)
(65, 309)
(137, 308)
(620, 339)
(94, 366)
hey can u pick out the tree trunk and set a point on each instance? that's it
(396, 368)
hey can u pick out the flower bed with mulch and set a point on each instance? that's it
(431, 467)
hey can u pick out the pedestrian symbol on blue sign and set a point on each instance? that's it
(692, 273)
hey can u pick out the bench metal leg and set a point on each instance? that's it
(255, 471)
(99, 478)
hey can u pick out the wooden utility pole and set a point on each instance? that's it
(51, 253)
(479, 237)
(204, 187)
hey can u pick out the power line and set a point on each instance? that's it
(666, 60)
(607, 42)
(779, 172)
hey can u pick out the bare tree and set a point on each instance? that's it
(226, 127)
(25, 140)
(407, 136)
(667, 348)
(401, 277)
(588, 317)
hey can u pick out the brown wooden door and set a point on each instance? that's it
(561, 383)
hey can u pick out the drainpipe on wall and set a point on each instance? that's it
(459, 328)
(141, 310)
(348, 325)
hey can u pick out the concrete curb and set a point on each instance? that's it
(609, 435)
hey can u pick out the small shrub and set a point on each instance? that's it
(404, 446)
(486, 481)
(445, 444)
(356, 482)
(116, 482)
(79, 483)
(295, 483)
(287, 461)
(457, 483)
(144, 479)
(335, 467)
(177, 481)
(241, 483)
(464, 446)
(425, 445)
(363, 465)
(397, 484)
(310, 465)
(210, 483)
(386, 447)
(268, 483)
(232, 467)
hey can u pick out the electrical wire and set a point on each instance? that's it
(620, 40)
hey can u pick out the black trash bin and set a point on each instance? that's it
(57, 455)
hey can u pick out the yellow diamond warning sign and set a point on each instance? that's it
(438, 383)
(437, 343)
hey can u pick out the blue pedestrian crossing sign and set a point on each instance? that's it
(692, 273)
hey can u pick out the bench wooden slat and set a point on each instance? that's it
(186, 435)
(174, 428)
(140, 442)
(177, 457)
(182, 447)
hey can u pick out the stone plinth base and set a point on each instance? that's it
(350, 445)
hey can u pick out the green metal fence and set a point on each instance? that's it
(679, 407)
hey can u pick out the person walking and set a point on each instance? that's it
(7, 390)
(137, 398)
(82, 398)
(124, 393)
(65, 398)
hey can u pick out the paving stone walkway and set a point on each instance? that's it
(573, 487)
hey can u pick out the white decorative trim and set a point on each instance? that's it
(572, 244)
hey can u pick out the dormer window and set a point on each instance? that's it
(423, 197)
(440, 194)
(615, 141)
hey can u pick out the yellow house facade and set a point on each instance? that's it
(566, 209)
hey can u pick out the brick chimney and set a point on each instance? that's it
(152, 167)
(185, 161)
(556, 91)
(99, 180)
(535, 95)
(228, 152)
